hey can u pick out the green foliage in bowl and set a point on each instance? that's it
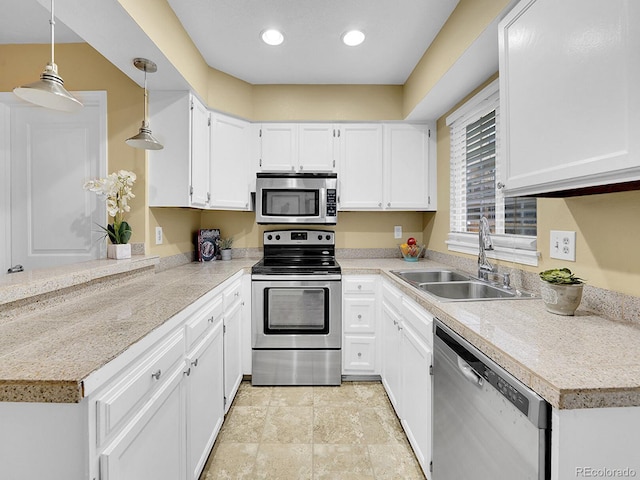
(560, 276)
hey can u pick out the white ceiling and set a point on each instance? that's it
(227, 33)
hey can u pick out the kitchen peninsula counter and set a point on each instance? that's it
(585, 361)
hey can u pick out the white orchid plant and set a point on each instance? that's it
(117, 187)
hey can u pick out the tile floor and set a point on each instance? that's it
(347, 432)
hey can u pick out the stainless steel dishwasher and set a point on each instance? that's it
(487, 425)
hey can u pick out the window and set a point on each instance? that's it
(475, 173)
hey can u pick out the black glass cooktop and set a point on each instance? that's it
(296, 265)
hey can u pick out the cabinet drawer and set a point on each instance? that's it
(359, 284)
(359, 314)
(232, 294)
(392, 297)
(359, 353)
(420, 320)
(203, 320)
(120, 401)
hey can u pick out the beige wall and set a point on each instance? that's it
(82, 68)
(354, 229)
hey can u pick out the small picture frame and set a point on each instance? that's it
(208, 244)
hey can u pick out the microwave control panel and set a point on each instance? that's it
(332, 202)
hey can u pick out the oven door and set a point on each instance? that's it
(296, 312)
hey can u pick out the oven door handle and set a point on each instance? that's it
(297, 278)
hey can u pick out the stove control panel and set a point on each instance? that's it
(299, 237)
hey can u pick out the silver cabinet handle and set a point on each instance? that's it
(157, 374)
(195, 363)
(500, 185)
(210, 319)
(237, 294)
(187, 372)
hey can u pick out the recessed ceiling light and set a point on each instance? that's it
(353, 38)
(272, 37)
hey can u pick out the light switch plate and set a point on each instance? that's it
(563, 245)
(158, 235)
(397, 231)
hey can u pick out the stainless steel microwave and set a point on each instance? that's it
(301, 198)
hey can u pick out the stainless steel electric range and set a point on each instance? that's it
(296, 314)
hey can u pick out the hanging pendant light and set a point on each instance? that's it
(144, 139)
(49, 91)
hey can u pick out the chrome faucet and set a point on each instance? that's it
(485, 243)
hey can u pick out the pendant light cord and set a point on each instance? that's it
(146, 99)
(52, 22)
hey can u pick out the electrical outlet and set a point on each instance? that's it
(397, 231)
(563, 245)
(158, 235)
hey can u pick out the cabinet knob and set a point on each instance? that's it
(359, 354)
(187, 372)
(359, 287)
(237, 294)
(389, 204)
(500, 185)
(210, 319)
(157, 374)
(359, 316)
(379, 204)
(195, 363)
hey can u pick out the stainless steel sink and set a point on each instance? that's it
(452, 286)
(417, 277)
(458, 291)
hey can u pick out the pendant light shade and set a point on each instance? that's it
(49, 91)
(144, 139)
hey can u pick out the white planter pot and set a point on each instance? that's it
(119, 252)
(561, 299)
(225, 254)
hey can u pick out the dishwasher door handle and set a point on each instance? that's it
(469, 373)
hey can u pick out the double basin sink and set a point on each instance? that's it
(452, 286)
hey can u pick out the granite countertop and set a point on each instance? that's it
(584, 361)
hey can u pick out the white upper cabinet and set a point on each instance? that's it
(278, 147)
(230, 163)
(569, 76)
(181, 123)
(409, 175)
(317, 147)
(297, 147)
(360, 167)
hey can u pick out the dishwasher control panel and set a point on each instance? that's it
(506, 389)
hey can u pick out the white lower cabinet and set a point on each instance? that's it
(160, 417)
(205, 399)
(406, 367)
(233, 304)
(360, 350)
(392, 345)
(152, 444)
(417, 353)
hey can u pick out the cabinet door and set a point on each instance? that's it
(152, 445)
(416, 407)
(569, 76)
(278, 152)
(230, 157)
(232, 352)
(360, 167)
(392, 356)
(359, 314)
(316, 151)
(199, 153)
(205, 400)
(406, 166)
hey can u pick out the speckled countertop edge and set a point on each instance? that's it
(499, 329)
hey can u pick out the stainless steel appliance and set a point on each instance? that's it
(300, 198)
(486, 423)
(296, 317)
